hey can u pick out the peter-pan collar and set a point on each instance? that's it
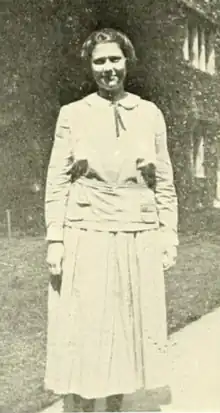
(130, 101)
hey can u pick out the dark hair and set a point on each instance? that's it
(108, 35)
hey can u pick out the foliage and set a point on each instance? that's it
(41, 70)
(186, 95)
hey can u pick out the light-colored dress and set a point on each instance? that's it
(110, 198)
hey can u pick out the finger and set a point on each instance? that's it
(168, 257)
(55, 269)
(54, 273)
(169, 265)
(53, 263)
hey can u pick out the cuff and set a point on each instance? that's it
(54, 233)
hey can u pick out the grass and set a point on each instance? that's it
(23, 285)
(193, 289)
(193, 286)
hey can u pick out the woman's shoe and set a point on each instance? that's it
(87, 405)
(114, 403)
(71, 403)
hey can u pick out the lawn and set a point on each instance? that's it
(193, 289)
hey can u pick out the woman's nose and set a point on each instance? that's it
(108, 66)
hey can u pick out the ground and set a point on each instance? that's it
(193, 289)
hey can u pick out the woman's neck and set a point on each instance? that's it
(113, 96)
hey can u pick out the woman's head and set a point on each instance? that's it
(109, 52)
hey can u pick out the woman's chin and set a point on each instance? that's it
(111, 87)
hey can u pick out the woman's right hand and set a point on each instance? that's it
(169, 257)
(54, 259)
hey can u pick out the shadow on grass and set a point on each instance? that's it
(192, 287)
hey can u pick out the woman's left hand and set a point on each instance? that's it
(169, 257)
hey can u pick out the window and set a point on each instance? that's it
(199, 164)
(199, 45)
(199, 157)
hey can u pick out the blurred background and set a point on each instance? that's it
(177, 44)
(178, 48)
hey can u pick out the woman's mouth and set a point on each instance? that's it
(111, 79)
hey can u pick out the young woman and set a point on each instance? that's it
(111, 217)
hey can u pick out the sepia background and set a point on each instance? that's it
(178, 48)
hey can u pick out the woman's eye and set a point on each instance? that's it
(99, 61)
(115, 59)
(102, 61)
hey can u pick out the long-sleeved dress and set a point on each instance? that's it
(110, 198)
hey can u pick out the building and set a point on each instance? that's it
(178, 46)
(178, 43)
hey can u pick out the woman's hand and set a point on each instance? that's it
(55, 254)
(169, 257)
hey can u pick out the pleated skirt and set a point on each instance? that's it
(107, 327)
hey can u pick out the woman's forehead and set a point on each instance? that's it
(106, 49)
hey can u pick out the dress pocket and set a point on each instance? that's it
(148, 210)
(77, 204)
(79, 169)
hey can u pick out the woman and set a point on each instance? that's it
(111, 216)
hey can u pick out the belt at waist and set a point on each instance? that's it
(91, 200)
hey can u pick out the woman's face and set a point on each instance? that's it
(108, 66)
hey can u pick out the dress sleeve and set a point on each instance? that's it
(166, 198)
(58, 178)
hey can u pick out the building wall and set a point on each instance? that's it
(188, 96)
(41, 69)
